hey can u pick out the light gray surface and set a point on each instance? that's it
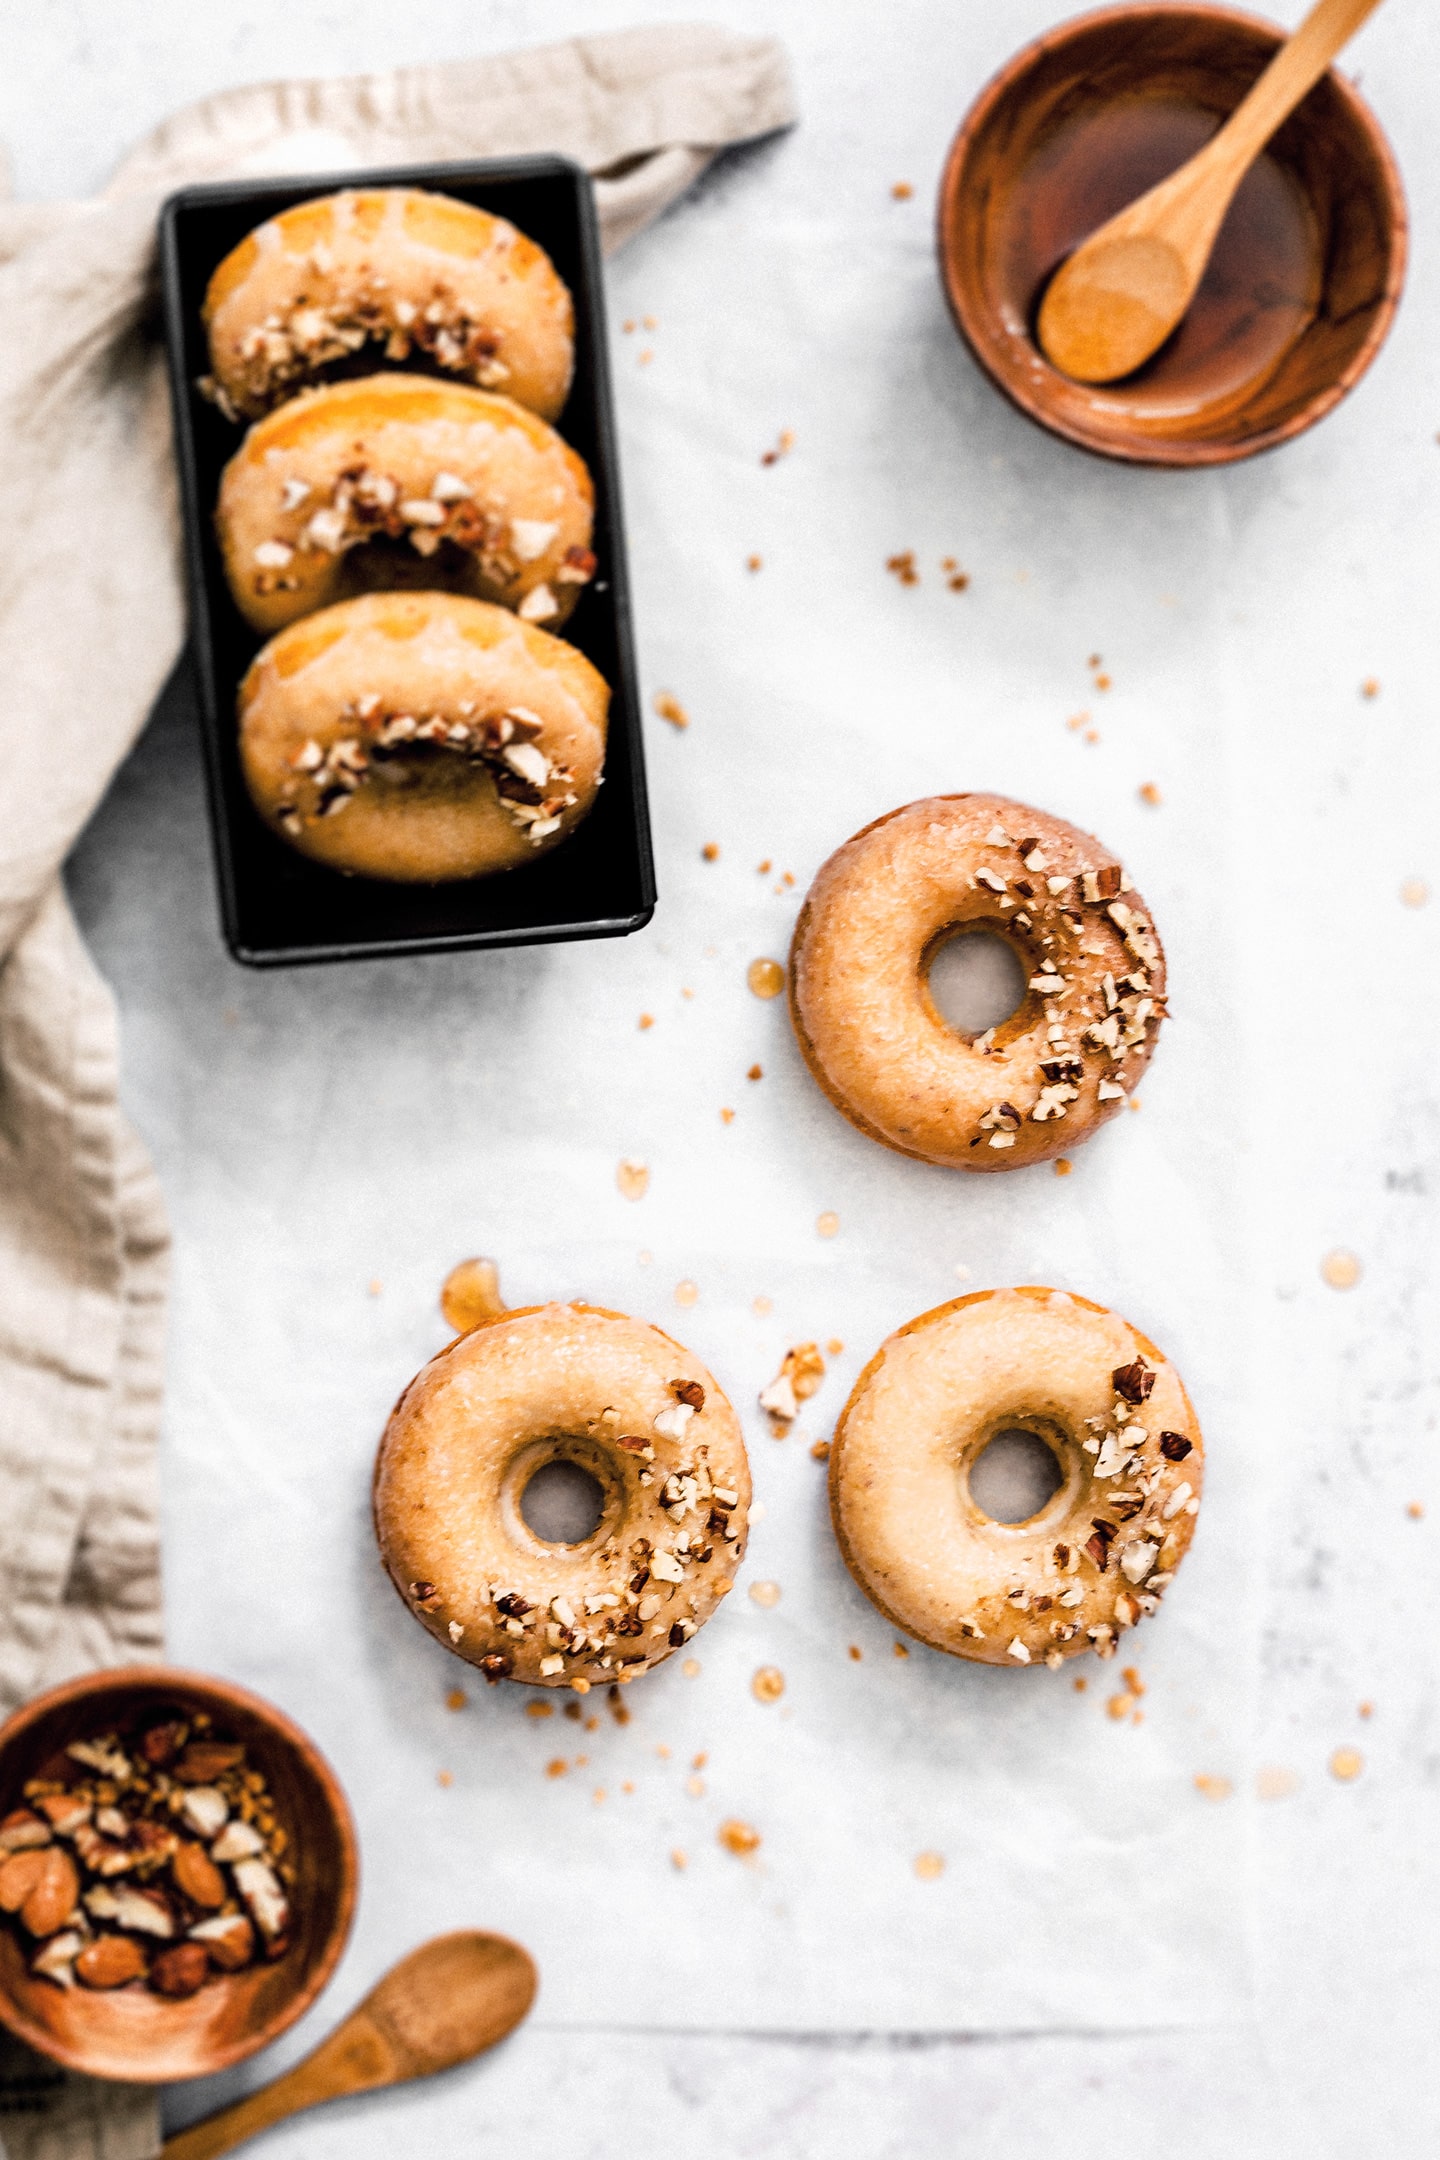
(1331, 580)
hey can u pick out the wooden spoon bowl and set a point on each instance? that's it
(1305, 276)
(131, 2033)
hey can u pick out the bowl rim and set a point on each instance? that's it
(161, 1679)
(1163, 452)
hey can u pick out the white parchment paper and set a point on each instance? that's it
(319, 1132)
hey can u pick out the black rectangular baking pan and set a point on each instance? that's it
(278, 909)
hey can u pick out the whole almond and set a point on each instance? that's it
(197, 1875)
(180, 1971)
(18, 1877)
(110, 1962)
(205, 1760)
(57, 1886)
(22, 1829)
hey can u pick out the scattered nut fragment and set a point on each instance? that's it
(21, 1829)
(55, 1960)
(801, 1372)
(765, 1593)
(678, 1860)
(1346, 1763)
(929, 1866)
(820, 1450)
(902, 566)
(1370, 688)
(902, 191)
(670, 708)
(1150, 794)
(784, 444)
(1415, 1509)
(768, 1684)
(1340, 1269)
(632, 1178)
(1213, 1788)
(205, 1810)
(470, 1295)
(710, 852)
(754, 562)
(738, 1837)
(827, 1224)
(766, 978)
(687, 1292)
(691, 1668)
(237, 1841)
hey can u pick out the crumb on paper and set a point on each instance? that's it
(695, 1786)
(686, 1292)
(768, 1685)
(1091, 735)
(557, 1766)
(1213, 1788)
(801, 1373)
(1077, 721)
(1080, 1683)
(1340, 1269)
(856, 1652)
(902, 566)
(1346, 1764)
(1370, 688)
(727, 1117)
(1365, 1709)
(1102, 682)
(691, 1668)
(456, 1699)
(710, 852)
(1120, 1706)
(820, 1451)
(901, 190)
(754, 562)
(645, 358)
(929, 1866)
(670, 708)
(901, 1649)
(1415, 1509)
(598, 1795)
(737, 1837)
(375, 1286)
(628, 326)
(1063, 1166)
(1149, 793)
(784, 444)
(1134, 1103)
(632, 1178)
(765, 978)
(756, 1072)
(649, 322)
(678, 1860)
(958, 581)
(1414, 892)
(539, 1709)
(828, 1223)
(763, 868)
(762, 1306)
(764, 1593)
(1274, 1782)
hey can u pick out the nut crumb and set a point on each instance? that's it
(1149, 793)
(456, 1699)
(1340, 1269)
(375, 1286)
(827, 1224)
(768, 1684)
(856, 1652)
(539, 1709)
(678, 1860)
(695, 1786)
(633, 1178)
(929, 1866)
(756, 1072)
(738, 1838)
(820, 1450)
(901, 1649)
(1414, 892)
(1063, 1166)
(1370, 688)
(763, 868)
(710, 852)
(727, 1117)
(691, 1668)
(647, 1020)
(902, 191)
(1346, 1763)
(1213, 1788)
(902, 566)
(1415, 1509)
(445, 1778)
(686, 1292)
(754, 562)
(765, 1593)
(670, 708)
(557, 1766)
(784, 444)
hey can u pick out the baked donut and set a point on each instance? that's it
(396, 481)
(562, 1383)
(400, 269)
(421, 737)
(1104, 1547)
(1040, 1082)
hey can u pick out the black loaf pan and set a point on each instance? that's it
(279, 909)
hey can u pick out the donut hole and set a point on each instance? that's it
(976, 980)
(1014, 1476)
(562, 1503)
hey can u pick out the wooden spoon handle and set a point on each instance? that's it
(355, 2058)
(1296, 68)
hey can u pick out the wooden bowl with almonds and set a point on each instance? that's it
(178, 1872)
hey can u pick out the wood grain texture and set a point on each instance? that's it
(1030, 157)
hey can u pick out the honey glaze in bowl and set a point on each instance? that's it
(1305, 274)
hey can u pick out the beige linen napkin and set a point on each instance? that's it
(90, 621)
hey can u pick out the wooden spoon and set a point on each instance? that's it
(445, 2002)
(1114, 302)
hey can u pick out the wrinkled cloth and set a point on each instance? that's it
(90, 623)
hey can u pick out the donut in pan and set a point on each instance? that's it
(421, 737)
(1064, 1061)
(562, 1383)
(1101, 1552)
(390, 273)
(393, 480)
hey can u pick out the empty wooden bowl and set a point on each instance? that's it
(1305, 276)
(131, 2033)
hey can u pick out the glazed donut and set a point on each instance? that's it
(562, 1383)
(1066, 1059)
(1104, 1547)
(421, 737)
(393, 480)
(398, 268)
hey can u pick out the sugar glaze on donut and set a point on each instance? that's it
(421, 737)
(1040, 1082)
(576, 1383)
(1102, 1551)
(407, 271)
(395, 481)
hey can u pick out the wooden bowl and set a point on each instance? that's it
(131, 2033)
(1306, 273)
